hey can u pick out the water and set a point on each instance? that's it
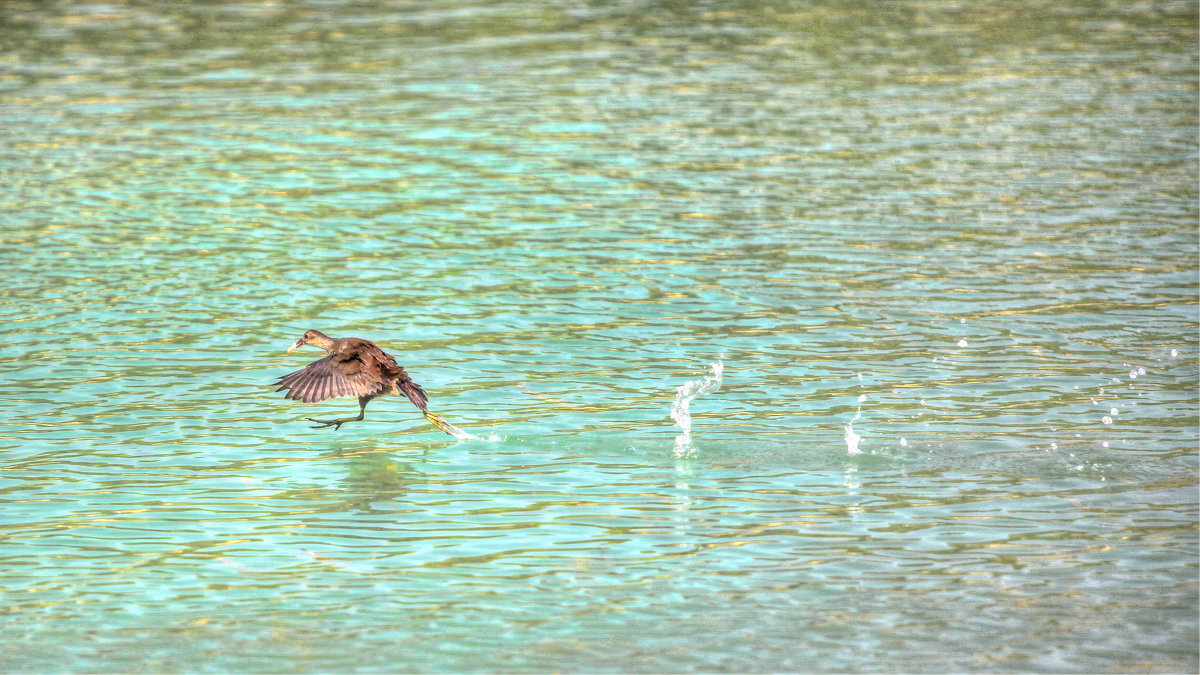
(956, 232)
(684, 395)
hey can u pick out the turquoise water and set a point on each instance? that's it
(943, 258)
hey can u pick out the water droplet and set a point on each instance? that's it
(904, 442)
(1114, 411)
(962, 320)
(1174, 353)
(962, 343)
(862, 397)
(1106, 419)
(1104, 444)
(1054, 446)
(852, 440)
(684, 395)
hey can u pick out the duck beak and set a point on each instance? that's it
(299, 344)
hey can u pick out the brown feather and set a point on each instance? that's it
(354, 367)
(415, 393)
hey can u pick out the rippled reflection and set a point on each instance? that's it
(944, 255)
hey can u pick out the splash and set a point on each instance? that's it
(852, 439)
(441, 423)
(684, 395)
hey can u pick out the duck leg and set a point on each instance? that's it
(337, 424)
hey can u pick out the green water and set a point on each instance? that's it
(960, 239)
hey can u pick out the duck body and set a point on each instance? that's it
(353, 367)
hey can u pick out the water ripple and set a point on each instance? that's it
(963, 235)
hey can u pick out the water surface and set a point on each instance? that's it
(960, 240)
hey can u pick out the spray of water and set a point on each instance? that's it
(441, 423)
(684, 395)
(852, 439)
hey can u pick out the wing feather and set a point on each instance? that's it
(308, 390)
(300, 391)
(360, 368)
(329, 388)
(322, 380)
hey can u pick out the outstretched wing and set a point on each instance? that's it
(323, 379)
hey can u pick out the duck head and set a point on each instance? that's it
(312, 337)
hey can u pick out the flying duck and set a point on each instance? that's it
(354, 367)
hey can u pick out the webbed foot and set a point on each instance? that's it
(325, 424)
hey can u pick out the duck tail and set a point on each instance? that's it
(415, 393)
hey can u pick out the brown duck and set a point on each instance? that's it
(354, 367)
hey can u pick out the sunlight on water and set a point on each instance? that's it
(947, 250)
(684, 395)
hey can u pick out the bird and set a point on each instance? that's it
(354, 367)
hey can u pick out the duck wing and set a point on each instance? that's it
(328, 378)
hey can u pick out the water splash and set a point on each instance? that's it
(684, 395)
(852, 439)
(441, 423)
